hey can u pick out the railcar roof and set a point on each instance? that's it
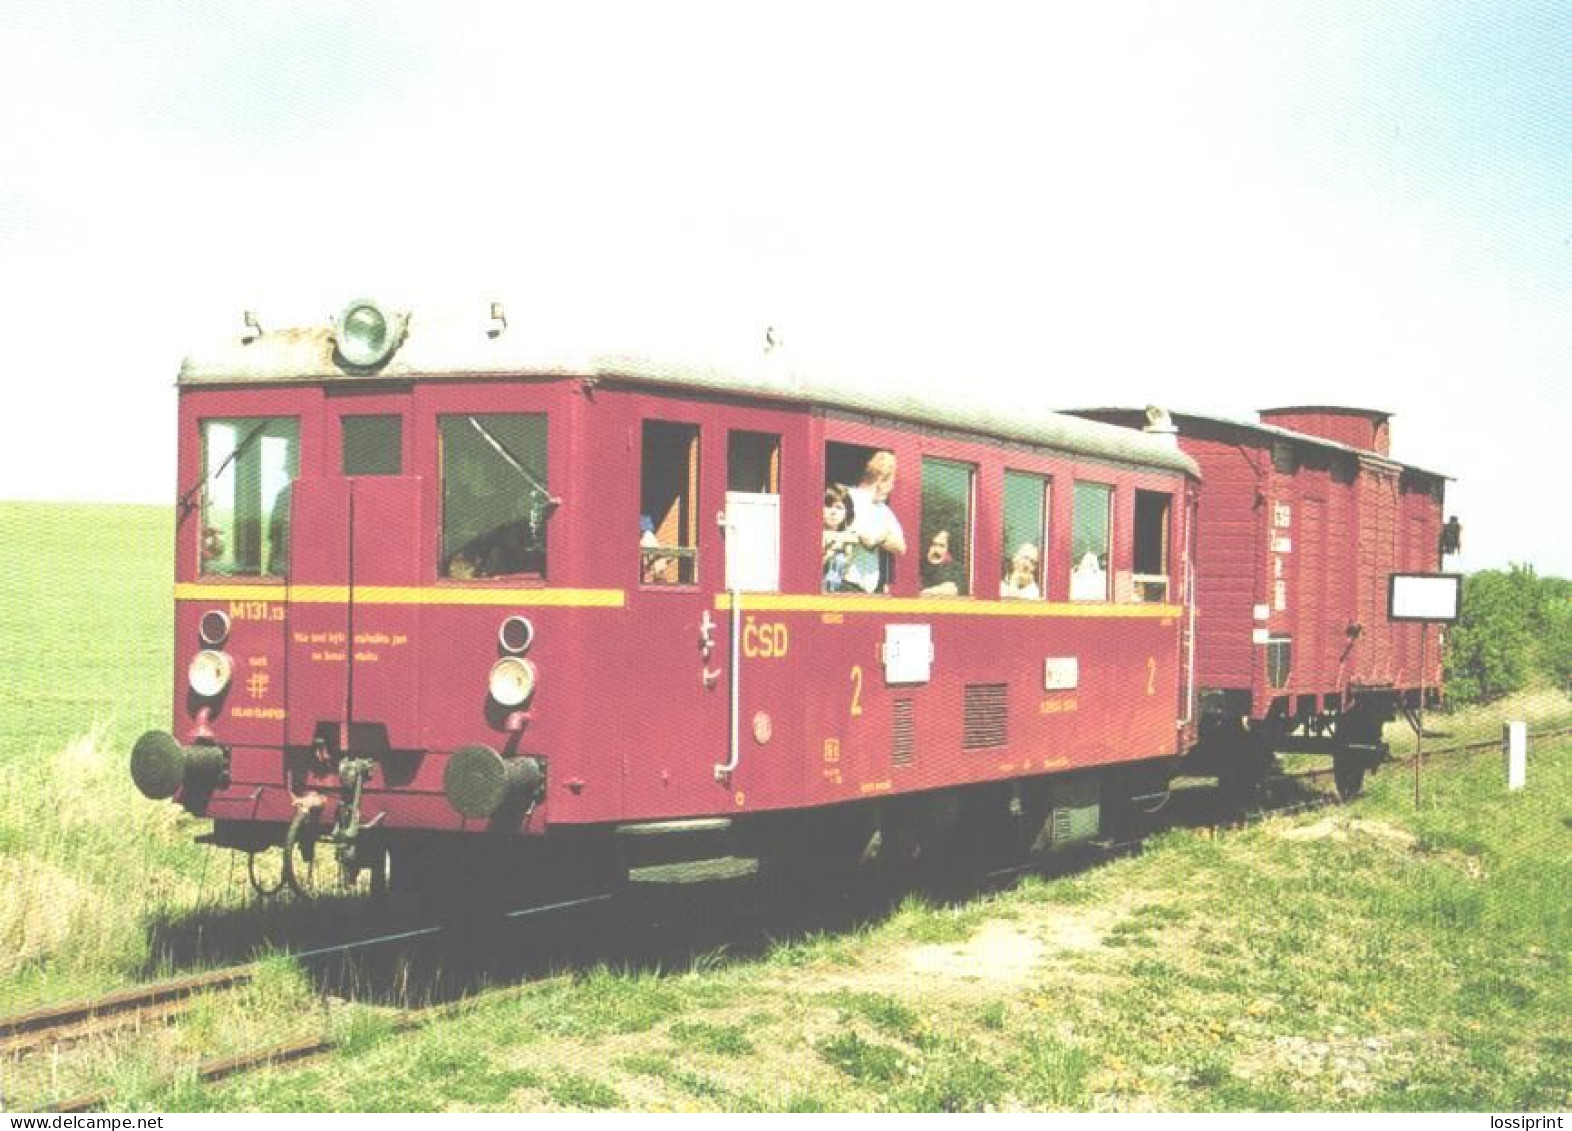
(434, 351)
(1272, 431)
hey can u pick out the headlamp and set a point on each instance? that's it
(210, 672)
(512, 681)
(365, 334)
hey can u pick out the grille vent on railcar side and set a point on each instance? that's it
(987, 715)
(904, 748)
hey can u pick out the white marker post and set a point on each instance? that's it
(1514, 744)
(1430, 598)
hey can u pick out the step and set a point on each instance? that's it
(689, 827)
(713, 870)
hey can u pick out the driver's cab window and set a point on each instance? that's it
(495, 504)
(248, 466)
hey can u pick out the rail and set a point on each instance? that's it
(78, 1019)
(1463, 748)
(308, 1048)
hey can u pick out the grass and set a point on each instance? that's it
(87, 639)
(1367, 958)
(85, 650)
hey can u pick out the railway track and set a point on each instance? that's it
(1463, 748)
(160, 1001)
(164, 1001)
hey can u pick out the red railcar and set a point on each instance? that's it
(454, 593)
(1304, 519)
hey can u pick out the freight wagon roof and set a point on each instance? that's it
(1268, 431)
(432, 350)
(1338, 409)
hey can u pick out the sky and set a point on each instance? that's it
(1214, 206)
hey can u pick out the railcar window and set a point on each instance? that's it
(249, 465)
(844, 463)
(495, 504)
(861, 552)
(946, 528)
(1025, 535)
(669, 504)
(753, 463)
(1092, 505)
(1151, 545)
(373, 445)
(753, 512)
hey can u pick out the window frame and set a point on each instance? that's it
(267, 545)
(344, 420)
(1109, 512)
(444, 556)
(685, 553)
(965, 579)
(753, 517)
(853, 453)
(1044, 480)
(1146, 587)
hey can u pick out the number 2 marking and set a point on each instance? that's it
(856, 678)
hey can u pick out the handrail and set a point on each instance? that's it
(724, 771)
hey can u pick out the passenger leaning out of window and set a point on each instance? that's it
(837, 537)
(940, 577)
(875, 525)
(1021, 582)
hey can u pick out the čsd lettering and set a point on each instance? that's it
(768, 641)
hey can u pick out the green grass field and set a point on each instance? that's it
(85, 653)
(85, 642)
(1366, 957)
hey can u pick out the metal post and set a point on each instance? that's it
(1419, 746)
(1514, 740)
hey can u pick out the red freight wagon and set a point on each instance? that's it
(455, 593)
(1304, 518)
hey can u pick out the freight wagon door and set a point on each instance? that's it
(1311, 645)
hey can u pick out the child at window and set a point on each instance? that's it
(837, 537)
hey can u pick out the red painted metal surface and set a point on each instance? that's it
(366, 648)
(1366, 429)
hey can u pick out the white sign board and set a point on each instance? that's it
(908, 653)
(753, 542)
(1436, 597)
(1061, 673)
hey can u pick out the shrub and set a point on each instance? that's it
(1488, 651)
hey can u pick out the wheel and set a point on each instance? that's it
(1243, 783)
(1348, 772)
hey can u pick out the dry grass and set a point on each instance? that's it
(88, 862)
